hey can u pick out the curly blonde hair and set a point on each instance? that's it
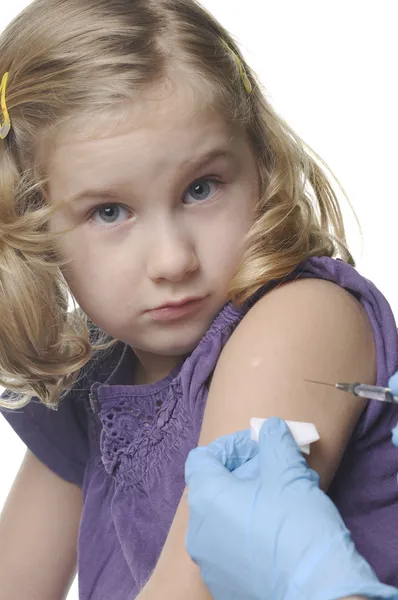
(69, 58)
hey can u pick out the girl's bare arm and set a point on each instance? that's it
(38, 534)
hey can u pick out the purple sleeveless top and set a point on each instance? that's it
(126, 446)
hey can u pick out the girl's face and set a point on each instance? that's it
(161, 212)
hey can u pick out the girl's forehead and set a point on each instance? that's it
(158, 119)
(138, 143)
(160, 137)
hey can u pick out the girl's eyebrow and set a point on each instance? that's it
(192, 163)
(209, 157)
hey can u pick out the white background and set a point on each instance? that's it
(330, 70)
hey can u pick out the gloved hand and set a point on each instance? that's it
(393, 385)
(261, 528)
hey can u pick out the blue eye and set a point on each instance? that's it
(201, 190)
(110, 214)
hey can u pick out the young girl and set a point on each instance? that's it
(143, 172)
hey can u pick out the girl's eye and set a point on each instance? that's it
(110, 214)
(201, 190)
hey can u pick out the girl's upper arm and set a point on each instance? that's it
(308, 329)
(38, 534)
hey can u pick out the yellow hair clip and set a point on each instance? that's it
(5, 123)
(246, 81)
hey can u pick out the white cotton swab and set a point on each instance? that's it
(303, 433)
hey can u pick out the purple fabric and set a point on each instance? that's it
(133, 442)
(58, 438)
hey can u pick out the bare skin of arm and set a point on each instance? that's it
(38, 534)
(308, 329)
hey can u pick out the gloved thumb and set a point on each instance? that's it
(200, 466)
(220, 457)
(278, 450)
(234, 450)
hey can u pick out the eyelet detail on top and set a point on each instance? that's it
(136, 440)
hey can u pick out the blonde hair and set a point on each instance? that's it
(69, 58)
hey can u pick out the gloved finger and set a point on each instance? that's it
(209, 465)
(278, 449)
(393, 384)
(202, 466)
(235, 449)
(250, 470)
(207, 480)
(395, 436)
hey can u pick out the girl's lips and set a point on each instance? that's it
(173, 312)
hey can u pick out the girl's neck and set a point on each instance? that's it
(151, 368)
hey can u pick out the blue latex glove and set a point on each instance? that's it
(260, 527)
(393, 385)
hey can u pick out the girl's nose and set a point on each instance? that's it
(173, 255)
